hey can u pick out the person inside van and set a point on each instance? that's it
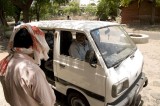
(79, 47)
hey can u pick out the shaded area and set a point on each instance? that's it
(3, 46)
(145, 27)
(61, 100)
(5, 33)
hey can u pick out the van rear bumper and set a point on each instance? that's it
(131, 96)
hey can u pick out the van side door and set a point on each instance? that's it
(75, 73)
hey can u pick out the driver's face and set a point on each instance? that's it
(80, 38)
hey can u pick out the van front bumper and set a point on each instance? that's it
(131, 96)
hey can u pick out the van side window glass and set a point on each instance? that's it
(65, 42)
(49, 36)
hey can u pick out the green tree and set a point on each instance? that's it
(54, 8)
(73, 8)
(63, 2)
(125, 2)
(3, 7)
(91, 10)
(158, 2)
(24, 6)
(17, 13)
(40, 8)
(107, 8)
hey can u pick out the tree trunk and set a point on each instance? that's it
(37, 12)
(25, 15)
(37, 15)
(24, 6)
(153, 12)
(3, 21)
(17, 18)
(17, 14)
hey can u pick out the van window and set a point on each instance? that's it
(49, 36)
(113, 44)
(79, 46)
(65, 42)
(46, 65)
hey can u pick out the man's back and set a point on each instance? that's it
(22, 81)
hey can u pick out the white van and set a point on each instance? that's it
(110, 75)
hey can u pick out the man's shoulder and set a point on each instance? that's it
(74, 42)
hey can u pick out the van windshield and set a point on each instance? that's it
(114, 44)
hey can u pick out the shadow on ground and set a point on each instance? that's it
(145, 27)
(3, 46)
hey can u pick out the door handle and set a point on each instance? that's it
(62, 66)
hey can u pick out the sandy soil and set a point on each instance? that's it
(151, 53)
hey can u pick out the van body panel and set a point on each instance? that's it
(73, 72)
(129, 68)
(117, 78)
(131, 94)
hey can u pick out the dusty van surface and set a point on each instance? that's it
(111, 73)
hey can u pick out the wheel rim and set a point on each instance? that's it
(77, 102)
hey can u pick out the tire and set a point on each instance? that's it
(139, 38)
(138, 101)
(77, 99)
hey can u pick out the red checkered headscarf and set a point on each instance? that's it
(40, 47)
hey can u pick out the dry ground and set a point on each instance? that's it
(151, 53)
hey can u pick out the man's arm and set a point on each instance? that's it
(40, 88)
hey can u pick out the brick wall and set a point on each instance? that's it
(142, 14)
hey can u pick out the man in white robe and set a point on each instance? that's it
(24, 83)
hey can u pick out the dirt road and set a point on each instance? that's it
(151, 53)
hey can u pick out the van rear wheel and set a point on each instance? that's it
(77, 99)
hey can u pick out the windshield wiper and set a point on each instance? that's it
(131, 55)
(119, 62)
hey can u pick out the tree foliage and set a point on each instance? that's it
(53, 10)
(39, 8)
(107, 8)
(63, 2)
(91, 10)
(72, 8)
(6, 9)
(23, 5)
(158, 3)
(125, 2)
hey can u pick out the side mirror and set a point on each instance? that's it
(90, 57)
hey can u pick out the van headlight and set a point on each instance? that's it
(119, 87)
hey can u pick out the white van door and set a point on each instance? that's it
(81, 75)
(78, 74)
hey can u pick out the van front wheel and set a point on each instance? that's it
(76, 99)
